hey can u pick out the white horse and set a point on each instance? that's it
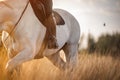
(24, 42)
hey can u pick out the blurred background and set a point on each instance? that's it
(96, 17)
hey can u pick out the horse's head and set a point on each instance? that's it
(10, 11)
(6, 16)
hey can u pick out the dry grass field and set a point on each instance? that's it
(90, 67)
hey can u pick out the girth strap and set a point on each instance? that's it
(43, 47)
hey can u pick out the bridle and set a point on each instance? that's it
(18, 20)
(43, 44)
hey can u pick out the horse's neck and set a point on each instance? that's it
(16, 3)
(17, 6)
(27, 18)
(13, 4)
(11, 13)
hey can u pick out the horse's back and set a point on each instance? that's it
(71, 24)
(70, 33)
(67, 33)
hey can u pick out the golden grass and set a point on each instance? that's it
(90, 67)
(3, 60)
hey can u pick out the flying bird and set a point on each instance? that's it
(104, 24)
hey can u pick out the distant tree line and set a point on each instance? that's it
(106, 44)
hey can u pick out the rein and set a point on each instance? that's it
(18, 19)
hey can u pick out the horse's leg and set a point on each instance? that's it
(57, 61)
(71, 52)
(15, 74)
(27, 54)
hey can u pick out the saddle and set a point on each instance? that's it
(59, 20)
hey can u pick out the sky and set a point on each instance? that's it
(92, 14)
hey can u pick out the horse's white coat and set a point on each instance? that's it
(25, 41)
